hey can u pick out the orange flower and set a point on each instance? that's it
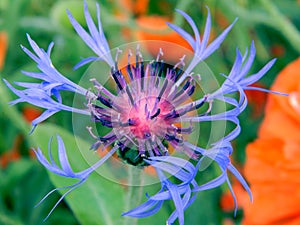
(221, 19)
(31, 113)
(278, 50)
(282, 118)
(12, 154)
(273, 160)
(3, 48)
(257, 100)
(130, 8)
(155, 28)
(137, 7)
(273, 171)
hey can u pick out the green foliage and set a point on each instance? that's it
(23, 184)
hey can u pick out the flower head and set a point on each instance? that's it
(153, 109)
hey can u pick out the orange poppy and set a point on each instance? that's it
(273, 171)
(31, 113)
(221, 19)
(278, 50)
(13, 154)
(282, 119)
(257, 100)
(154, 28)
(3, 48)
(137, 7)
(272, 167)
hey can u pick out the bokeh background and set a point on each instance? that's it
(273, 25)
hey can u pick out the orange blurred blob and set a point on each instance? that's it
(137, 7)
(150, 170)
(227, 202)
(273, 160)
(257, 100)
(3, 48)
(227, 221)
(278, 50)
(31, 113)
(221, 19)
(155, 28)
(12, 154)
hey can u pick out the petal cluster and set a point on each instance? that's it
(65, 170)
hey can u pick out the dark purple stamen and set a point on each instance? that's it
(156, 114)
(171, 115)
(96, 145)
(147, 135)
(191, 90)
(129, 71)
(142, 71)
(185, 86)
(173, 75)
(121, 145)
(186, 130)
(129, 95)
(104, 122)
(116, 74)
(106, 139)
(162, 89)
(156, 151)
(105, 101)
(153, 70)
(200, 104)
(178, 74)
(132, 122)
(172, 138)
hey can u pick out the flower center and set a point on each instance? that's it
(145, 116)
(148, 117)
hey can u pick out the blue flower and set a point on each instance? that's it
(144, 114)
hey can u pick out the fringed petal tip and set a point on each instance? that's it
(146, 209)
(64, 170)
(71, 188)
(86, 61)
(93, 37)
(201, 48)
(32, 129)
(45, 115)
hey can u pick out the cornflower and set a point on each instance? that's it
(152, 98)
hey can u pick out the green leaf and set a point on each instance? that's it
(7, 220)
(98, 201)
(23, 184)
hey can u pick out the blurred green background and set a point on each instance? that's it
(272, 24)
